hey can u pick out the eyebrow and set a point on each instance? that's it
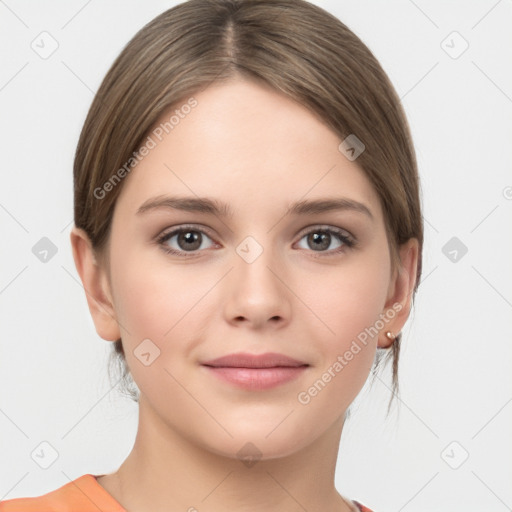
(214, 207)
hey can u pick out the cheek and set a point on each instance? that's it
(348, 298)
(352, 298)
(350, 308)
(151, 293)
(161, 303)
(153, 308)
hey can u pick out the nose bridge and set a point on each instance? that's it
(256, 294)
(252, 265)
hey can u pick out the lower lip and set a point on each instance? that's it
(257, 378)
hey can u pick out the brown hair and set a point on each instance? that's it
(297, 48)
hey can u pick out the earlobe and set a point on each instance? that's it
(390, 336)
(96, 286)
(398, 303)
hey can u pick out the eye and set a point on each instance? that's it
(190, 240)
(186, 239)
(331, 240)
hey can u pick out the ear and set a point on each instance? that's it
(96, 285)
(400, 292)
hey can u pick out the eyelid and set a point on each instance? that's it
(184, 227)
(207, 231)
(326, 227)
(170, 232)
(347, 239)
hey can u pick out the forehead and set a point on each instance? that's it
(247, 144)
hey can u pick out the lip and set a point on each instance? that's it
(256, 371)
(246, 360)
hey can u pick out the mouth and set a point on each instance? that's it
(256, 372)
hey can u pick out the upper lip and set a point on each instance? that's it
(245, 360)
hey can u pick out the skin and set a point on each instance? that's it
(258, 151)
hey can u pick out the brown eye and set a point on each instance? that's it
(328, 240)
(185, 240)
(189, 240)
(319, 241)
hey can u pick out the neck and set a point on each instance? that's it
(166, 469)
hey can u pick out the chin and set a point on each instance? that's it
(260, 441)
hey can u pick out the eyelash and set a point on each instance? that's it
(348, 241)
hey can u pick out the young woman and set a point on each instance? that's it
(248, 232)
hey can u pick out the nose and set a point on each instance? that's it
(255, 293)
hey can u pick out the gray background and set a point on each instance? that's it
(455, 373)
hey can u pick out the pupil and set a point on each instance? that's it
(320, 241)
(189, 240)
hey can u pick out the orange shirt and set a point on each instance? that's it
(84, 494)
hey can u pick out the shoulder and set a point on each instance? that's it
(80, 495)
(361, 507)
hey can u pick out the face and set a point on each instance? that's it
(264, 263)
